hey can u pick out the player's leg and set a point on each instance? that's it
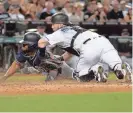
(68, 67)
(66, 70)
(112, 58)
(90, 56)
(72, 62)
(96, 72)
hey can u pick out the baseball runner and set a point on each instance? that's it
(36, 57)
(89, 46)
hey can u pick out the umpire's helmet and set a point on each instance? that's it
(31, 39)
(60, 18)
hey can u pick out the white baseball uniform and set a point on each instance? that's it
(91, 47)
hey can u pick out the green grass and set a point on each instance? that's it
(100, 102)
(112, 76)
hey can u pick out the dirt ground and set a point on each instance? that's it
(64, 86)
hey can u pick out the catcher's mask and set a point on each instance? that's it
(30, 41)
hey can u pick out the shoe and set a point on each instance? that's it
(127, 68)
(101, 76)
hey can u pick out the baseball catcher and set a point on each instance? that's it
(36, 57)
(89, 46)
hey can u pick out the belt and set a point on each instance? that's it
(91, 39)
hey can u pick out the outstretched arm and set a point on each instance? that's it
(13, 68)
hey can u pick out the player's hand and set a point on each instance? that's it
(2, 79)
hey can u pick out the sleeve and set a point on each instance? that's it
(55, 38)
(20, 58)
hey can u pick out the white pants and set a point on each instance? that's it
(97, 50)
(69, 66)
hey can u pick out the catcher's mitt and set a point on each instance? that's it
(48, 65)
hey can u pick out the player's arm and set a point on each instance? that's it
(17, 64)
(42, 48)
(51, 39)
(13, 68)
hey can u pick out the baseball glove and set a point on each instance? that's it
(49, 64)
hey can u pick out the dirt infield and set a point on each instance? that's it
(62, 87)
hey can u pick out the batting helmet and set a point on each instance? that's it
(31, 39)
(60, 18)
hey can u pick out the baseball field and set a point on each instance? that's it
(29, 93)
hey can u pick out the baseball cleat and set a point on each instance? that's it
(127, 68)
(101, 76)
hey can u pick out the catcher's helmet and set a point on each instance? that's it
(31, 39)
(60, 18)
